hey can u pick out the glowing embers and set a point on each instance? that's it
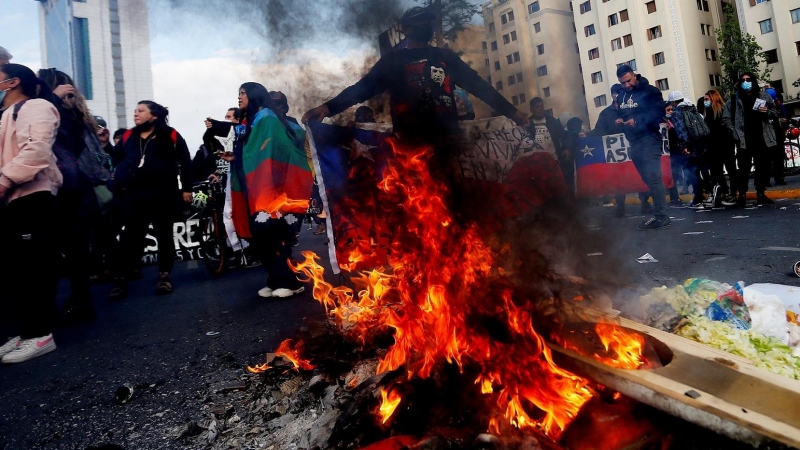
(291, 354)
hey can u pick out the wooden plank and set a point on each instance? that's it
(733, 397)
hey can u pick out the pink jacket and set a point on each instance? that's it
(27, 162)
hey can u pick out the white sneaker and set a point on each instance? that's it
(283, 292)
(30, 348)
(9, 346)
(266, 292)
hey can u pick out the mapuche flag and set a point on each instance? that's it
(604, 167)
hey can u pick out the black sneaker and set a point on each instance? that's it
(677, 204)
(655, 224)
(163, 284)
(119, 291)
(697, 204)
(762, 199)
(741, 202)
(728, 200)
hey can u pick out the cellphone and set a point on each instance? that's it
(759, 103)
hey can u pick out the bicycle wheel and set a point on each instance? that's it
(214, 242)
(792, 161)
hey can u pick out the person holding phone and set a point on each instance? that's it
(747, 117)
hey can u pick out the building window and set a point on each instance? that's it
(658, 59)
(654, 33)
(597, 77)
(83, 62)
(515, 100)
(494, 45)
(623, 15)
(483, 45)
(499, 86)
(540, 49)
(631, 64)
(513, 36)
(541, 71)
(616, 44)
(600, 100)
(580, 68)
(662, 84)
(766, 26)
(702, 5)
(585, 7)
(489, 79)
(797, 46)
(507, 17)
(651, 7)
(546, 92)
(795, 15)
(613, 20)
(771, 56)
(756, 2)
(519, 77)
(512, 80)
(533, 7)
(506, 39)
(522, 98)
(537, 27)
(487, 63)
(705, 29)
(509, 59)
(497, 65)
(491, 27)
(594, 53)
(713, 55)
(516, 56)
(628, 40)
(589, 30)
(714, 80)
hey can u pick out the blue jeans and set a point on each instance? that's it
(646, 156)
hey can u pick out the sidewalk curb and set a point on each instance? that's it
(776, 194)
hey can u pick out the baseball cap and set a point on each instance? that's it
(674, 96)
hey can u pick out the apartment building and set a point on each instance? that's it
(104, 45)
(469, 44)
(672, 43)
(776, 27)
(532, 52)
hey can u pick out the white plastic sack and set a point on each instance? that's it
(767, 313)
(789, 295)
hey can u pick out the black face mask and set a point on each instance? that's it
(422, 32)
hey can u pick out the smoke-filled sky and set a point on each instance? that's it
(202, 50)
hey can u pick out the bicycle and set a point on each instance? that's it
(209, 199)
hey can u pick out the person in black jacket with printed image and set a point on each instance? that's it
(147, 182)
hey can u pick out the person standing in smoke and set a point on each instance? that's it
(641, 111)
(421, 80)
(147, 182)
(548, 133)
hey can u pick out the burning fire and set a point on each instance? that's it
(292, 354)
(441, 281)
(626, 347)
(389, 402)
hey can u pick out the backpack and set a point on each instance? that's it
(66, 161)
(694, 124)
(173, 135)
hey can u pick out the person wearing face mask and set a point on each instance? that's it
(29, 180)
(147, 181)
(747, 117)
(721, 151)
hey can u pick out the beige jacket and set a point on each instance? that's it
(27, 162)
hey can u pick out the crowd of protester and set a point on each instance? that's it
(58, 160)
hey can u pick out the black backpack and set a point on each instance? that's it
(696, 126)
(65, 160)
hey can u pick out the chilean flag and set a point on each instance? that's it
(604, 167)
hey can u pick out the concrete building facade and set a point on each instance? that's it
(776, 27)
(531, 51)
(672, 43)
(469, 45)
(104, 45)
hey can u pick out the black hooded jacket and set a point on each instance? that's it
(645, 105)
(154, 165)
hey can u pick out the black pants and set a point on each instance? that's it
(778, 161)
(29, 264)
(272, 243)
(754, 155)
(142, 209)
(646, 156)
(722, 155)
(74, 238)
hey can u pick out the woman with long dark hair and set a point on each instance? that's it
(721, 150)
(77, 204)
(146, 182)
(28, 184)
(271, 184)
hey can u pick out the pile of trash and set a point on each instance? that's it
(760, 322)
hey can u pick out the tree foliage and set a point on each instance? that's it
(456, 15)
(738, 53)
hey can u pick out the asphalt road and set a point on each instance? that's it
(65, 400)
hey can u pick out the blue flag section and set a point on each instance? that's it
(604, 167)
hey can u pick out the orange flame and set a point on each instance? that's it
(292, 354)
(389, 402)
(625, 348)
(440, 276)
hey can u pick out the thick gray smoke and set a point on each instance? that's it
(293, 24)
